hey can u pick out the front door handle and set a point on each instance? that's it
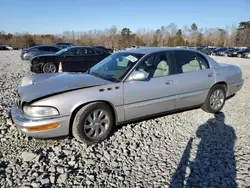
(211, 74)
(169, 82)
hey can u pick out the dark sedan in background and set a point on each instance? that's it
(241, 52)
(230, 52)
(73, 59)
(218, 51)
(207, 50)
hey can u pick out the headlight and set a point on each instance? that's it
(40, 111)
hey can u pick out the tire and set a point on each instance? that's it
(209, 105)
(238, 55)
(49, 67)
(82, 126)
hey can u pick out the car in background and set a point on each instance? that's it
(246, 55)
(229, 52)
(62, 45)
(5, 47)
(207, 50)
(124, 87)
(242, 51)
(234, 53)
(218, 50)
(199, 48)
(28, 53)
(223, 52)
(72, 59)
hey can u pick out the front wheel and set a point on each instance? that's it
(215, 99)
(49, 68)
(93, 123)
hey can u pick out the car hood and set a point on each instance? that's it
(40, 85)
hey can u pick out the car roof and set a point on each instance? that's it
(81, 47)
(43, 46)
(64, 43)
(149, 50)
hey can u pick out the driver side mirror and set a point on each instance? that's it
(138, 76)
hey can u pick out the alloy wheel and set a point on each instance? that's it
(96, 124)
(49, 68)
(217, 99)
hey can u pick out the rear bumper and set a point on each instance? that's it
(235, 87)
(23, 122)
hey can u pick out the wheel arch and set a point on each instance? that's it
(76, 109)
(224, 84)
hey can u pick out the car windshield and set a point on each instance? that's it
(115, 66)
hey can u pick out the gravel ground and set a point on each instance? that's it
(192, 148)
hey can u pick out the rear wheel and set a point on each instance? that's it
(49, 67)
(215, 99)
(93, 123)
(239, 55)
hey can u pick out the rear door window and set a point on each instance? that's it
(75, 52)
(43, 49)
(99, 52)
(46, 49)
(88, 51)
(188, 61)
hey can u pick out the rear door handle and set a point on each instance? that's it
(211, 74)
(169, 82)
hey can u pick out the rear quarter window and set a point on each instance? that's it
(202, 61)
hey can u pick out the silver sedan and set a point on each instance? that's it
(126, 86)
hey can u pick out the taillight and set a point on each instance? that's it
(26, 51)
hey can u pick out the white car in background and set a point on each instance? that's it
(10, 48)
(4, 47)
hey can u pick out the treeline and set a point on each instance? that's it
(169, 35)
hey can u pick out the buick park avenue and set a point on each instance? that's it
(125, 86)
